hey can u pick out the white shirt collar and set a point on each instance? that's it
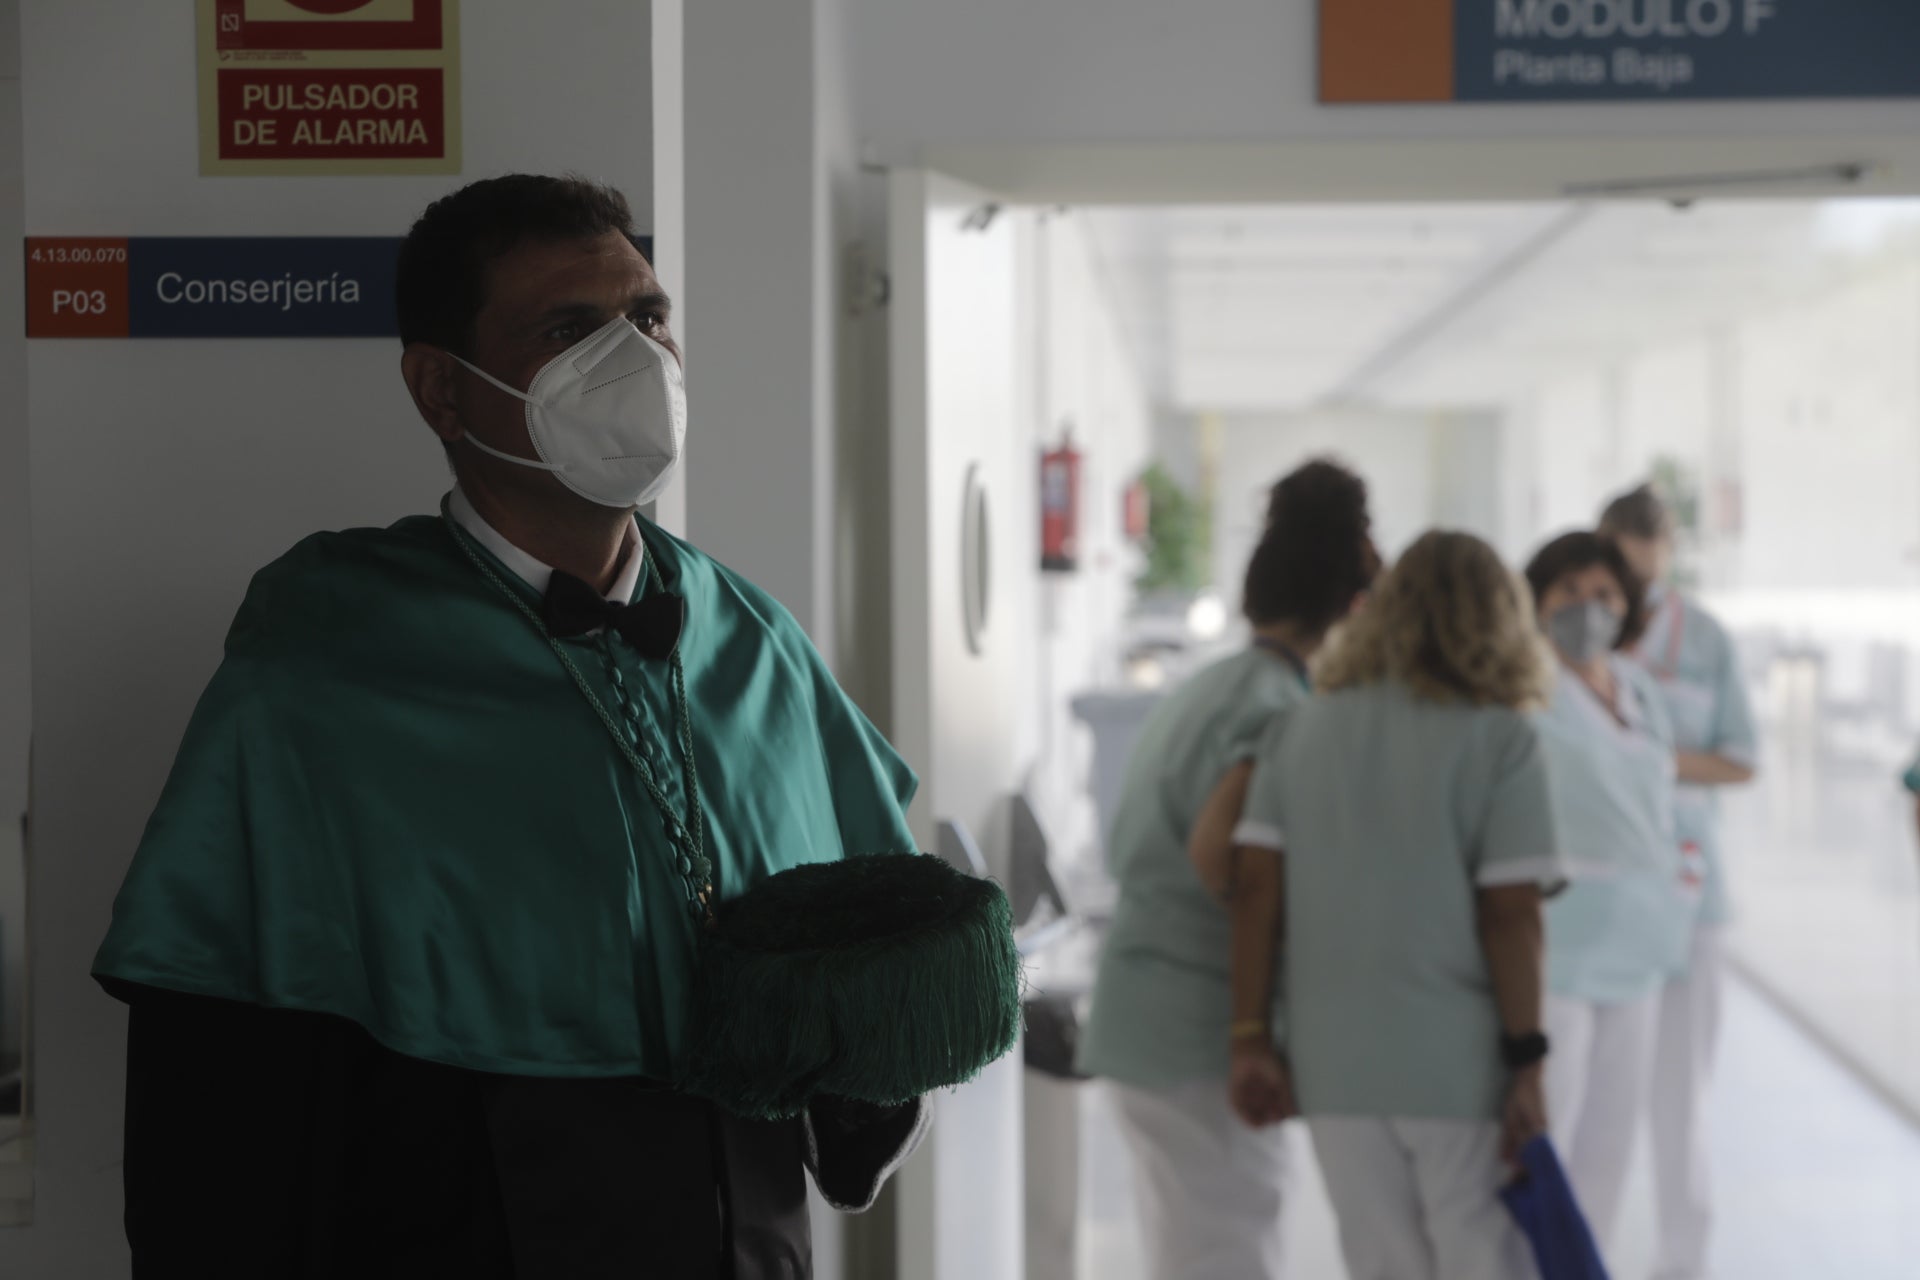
(1627, 702)
(531, 571)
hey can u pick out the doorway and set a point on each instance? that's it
(1500, 368)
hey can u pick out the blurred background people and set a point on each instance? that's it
(1210, 1189)
(1912, 783)
(1621, 930)
(1399, 832)
(1691, 656)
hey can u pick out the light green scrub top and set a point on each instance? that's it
(1691, 656)
(1622, 928)
(1163, 1001)
(1393, 813)
(392, 804)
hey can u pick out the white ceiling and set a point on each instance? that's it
(1245, 308)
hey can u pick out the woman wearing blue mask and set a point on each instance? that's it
(1210, 1189)
(1621, 932)
(1691, 656)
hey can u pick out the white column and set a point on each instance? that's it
(669, 202)
(14, 531)
(756, 385)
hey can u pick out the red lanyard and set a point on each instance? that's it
(1676, 636)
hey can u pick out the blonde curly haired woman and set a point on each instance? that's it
(1398, 834)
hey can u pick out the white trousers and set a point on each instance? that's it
(1420, 1199)
(1597, 1078)
(1209, 1189)
(1684, 1042)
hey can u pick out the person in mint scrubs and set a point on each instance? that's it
(1397, 841)
(410, 942)
(1624, 928)
(1161, 1028)
(1690, 654)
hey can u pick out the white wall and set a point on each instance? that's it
(15, 684)
(1466, 455)
(1666, 405)
(1810, 408)
(1576, 420)
(1420, 469)
(787, 460)
(670, 203)
(1001, 333)
(850, 336)
(955, 414)
(1080, 371)
(1829, 402)
(164, 473)
(1601, 428)
(1801, 423)
(753, 222)
(997, 398)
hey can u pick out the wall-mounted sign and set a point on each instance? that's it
(329, 86)
(211, 287)
(1535, 50)
(215, 286)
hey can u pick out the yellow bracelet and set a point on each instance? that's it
(1251, 1029)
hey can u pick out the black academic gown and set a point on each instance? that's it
(266, 1143)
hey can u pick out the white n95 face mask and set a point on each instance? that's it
(608, 416)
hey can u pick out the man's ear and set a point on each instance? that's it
(429, 374)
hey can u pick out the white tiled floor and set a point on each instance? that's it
(1827, 900)
(1818, 1178)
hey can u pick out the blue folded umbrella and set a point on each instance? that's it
(1542, 1202)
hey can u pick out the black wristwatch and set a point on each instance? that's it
(1521, 1052)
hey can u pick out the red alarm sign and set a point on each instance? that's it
(329, 86)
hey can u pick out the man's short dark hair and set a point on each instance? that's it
(1576, 553)
(441, 282)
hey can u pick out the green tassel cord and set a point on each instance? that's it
(877, 978)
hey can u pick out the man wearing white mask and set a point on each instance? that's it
(412, 939)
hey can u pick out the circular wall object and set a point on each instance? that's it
(976, 560)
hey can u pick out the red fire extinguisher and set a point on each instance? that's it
(1060, 508)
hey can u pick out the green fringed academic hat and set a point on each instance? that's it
(875, 978)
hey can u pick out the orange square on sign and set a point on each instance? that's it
(1387, 50)
(77, 287)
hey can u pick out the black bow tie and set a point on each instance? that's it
(650, 624)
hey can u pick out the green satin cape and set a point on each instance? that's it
(392, 804)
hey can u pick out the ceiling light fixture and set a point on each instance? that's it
(1683, 186)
